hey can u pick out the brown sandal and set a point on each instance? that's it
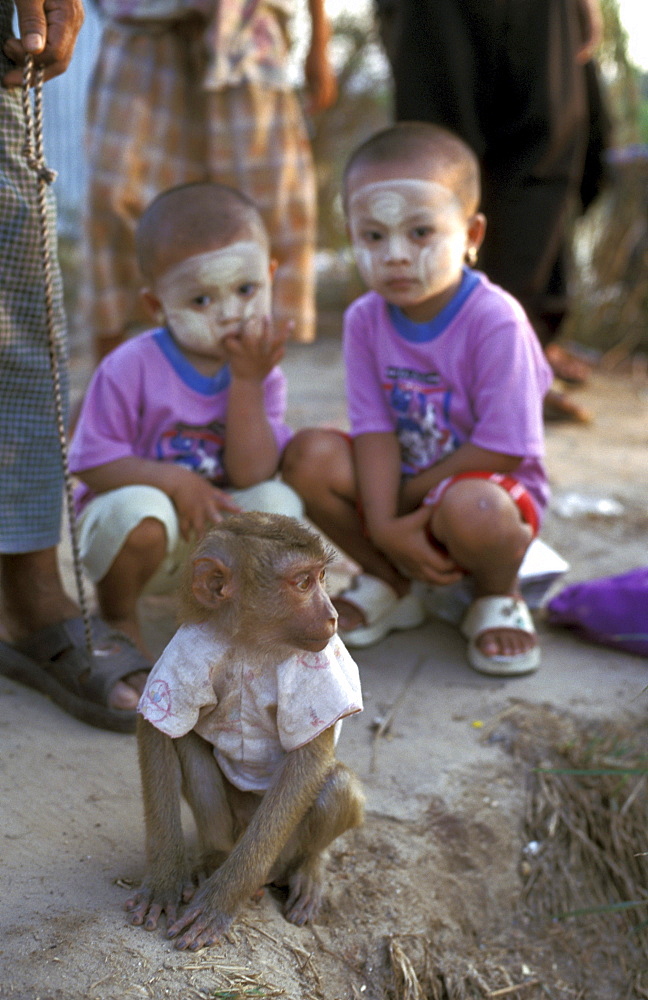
(56, 662)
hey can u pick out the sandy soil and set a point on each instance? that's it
(440, 895)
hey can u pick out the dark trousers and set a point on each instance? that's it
(503, 75)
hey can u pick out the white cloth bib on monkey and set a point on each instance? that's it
(251, 714)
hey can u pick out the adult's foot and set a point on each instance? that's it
(567, 366)
(559, 407)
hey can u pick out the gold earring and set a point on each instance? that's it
(471, 256)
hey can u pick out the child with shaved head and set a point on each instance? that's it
(445, 381)
(186, 421)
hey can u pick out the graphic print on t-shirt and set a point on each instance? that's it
(197, 448)
(420, 404)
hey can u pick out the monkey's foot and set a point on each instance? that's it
(147, 906)
(304, 897)
(198, 927)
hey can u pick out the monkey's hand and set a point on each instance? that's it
(150, 902)
(204, 922)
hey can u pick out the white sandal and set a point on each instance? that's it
(488, 613)
(382, 609)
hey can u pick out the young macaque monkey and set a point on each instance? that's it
(240, 715)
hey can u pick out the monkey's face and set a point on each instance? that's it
(260, 578)
(310, 620)
(216, 294)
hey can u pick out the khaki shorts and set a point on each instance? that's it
(109, 518)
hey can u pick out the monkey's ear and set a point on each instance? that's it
(212, 581)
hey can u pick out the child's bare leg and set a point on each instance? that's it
(482, 529)
(120, 589)
(318, 464)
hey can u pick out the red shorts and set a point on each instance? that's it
(518, 493)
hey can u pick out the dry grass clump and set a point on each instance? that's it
(586, 825)
(610, 294)
(422, 972)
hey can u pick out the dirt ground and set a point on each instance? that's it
(453, 887)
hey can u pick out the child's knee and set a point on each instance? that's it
(301, 452)
(146, 537)
(274, 497)
(310, 455)
(480, 514)
(110, 520)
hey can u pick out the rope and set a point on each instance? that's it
(34, 154)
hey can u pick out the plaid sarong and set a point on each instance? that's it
(31, 478)
(152, 125)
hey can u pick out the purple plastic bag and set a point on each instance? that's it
(612, 611)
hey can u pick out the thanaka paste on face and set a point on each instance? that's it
(217, 275)
(395, 208)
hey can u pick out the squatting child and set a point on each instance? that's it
(445, 380)
(185, 422)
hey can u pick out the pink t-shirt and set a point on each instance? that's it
(251, 714)
(146, 400)
(476, 372)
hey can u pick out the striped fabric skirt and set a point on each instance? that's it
(151, 125)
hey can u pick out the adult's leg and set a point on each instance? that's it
(257, 142)
(31, 485)
(504, 76)
(442, 56)
(535, 156)
(144, 134)
(33, 596)
(533, 170)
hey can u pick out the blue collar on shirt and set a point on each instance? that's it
(419, 333)
(206, 385)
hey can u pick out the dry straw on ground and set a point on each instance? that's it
(423, 972)
(586, 815)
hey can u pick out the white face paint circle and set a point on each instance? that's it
(212, 295)
(409, 238)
